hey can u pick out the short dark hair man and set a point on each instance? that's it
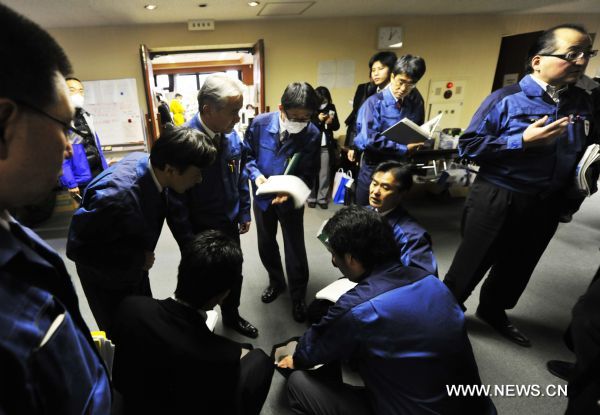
(113, 234)
(397, 324)
(400, 99)
(48, 361)
(168, 361)
(274, 140)
(527, 139)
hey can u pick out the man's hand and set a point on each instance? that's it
(286, 363)
(148, 261)
(538, 132)
(323, 116)
(351, 156)
(244, 227)
(74, 191)
(260, 180)
(280, 198)
(414, 146)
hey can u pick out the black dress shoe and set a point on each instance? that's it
(323, 205)
(560, 368)
(270, 294)
(502, 325)
(242, 326)
(312, 204)
(299, 311)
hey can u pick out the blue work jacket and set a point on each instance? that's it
(413, 241)
(36, 293)
(267, 156)
(494, 138)
(223, 196)
(407, 334)
(377, 114)
(76, 170)
(120, 218)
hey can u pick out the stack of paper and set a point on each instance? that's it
(106, 349)
(288, 184)
(335, 290)
(406, 131)
(583, 173)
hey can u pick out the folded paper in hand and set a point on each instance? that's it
(335, 290)
(407, 132)
(288, 184)
(584, 176)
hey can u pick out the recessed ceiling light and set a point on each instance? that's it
(202, 5)
(150, 6)
(253, 3)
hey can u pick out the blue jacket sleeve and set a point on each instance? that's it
(415, 251)
(251, 143)
(178, 217)
(371, 128)
(67, 179)
(243, 186)
(334, 338)
(309, 156)
(488, 136)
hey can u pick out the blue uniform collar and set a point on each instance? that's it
(530, 87)
(10, 247)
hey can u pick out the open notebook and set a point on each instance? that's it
(406, 131)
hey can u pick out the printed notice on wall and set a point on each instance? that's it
(115, 111)
(336, 73)
(510, 79)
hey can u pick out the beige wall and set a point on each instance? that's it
(459, 47)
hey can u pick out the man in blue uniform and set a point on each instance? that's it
(274, 140)
(48, 361)
(391, 180)
(113, 234)
(527, 139)
(400, 99)
(398, 324)
(88, 159)
(222, 200)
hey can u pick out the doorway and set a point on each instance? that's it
(182, 71)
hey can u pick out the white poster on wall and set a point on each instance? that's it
(116, 113)
(336, 73)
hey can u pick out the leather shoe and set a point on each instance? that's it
(242, 326)
(323, 205)
(270, 294)
(560, 368)
(299, 311)
(501, 323)
(312, 204)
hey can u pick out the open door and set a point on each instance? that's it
(147, 72)
(511, 59)
(258, 53)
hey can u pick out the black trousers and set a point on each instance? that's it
(505, 232)
(104, 294)
(310, 394)
(229, 307)
(296, 263)
(256, 373)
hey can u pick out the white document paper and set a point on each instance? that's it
(335, 290)
(288, 184)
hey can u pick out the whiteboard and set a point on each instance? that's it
(115, 111)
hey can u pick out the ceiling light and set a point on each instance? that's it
(253, 3)
(150, 6)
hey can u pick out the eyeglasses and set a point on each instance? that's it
(295, 119)
(401, 83)
(67, 128)
(574, 56)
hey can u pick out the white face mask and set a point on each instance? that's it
(77, 100)
(292, 127)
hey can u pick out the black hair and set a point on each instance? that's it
(546, 43)
(178, 95)
(31, 58)
(361, 233)
(72, 78)
(300, 95)
(402, 173)
(386, 58)
(182, 147)
(323, 94)
(411, 66)
(210, 265)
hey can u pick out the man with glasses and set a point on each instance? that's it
(527, 139)
(275, 140)
(48, 361)
(400, 99)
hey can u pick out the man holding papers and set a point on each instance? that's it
(275, 140)
(400, 99)
(527, 139)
